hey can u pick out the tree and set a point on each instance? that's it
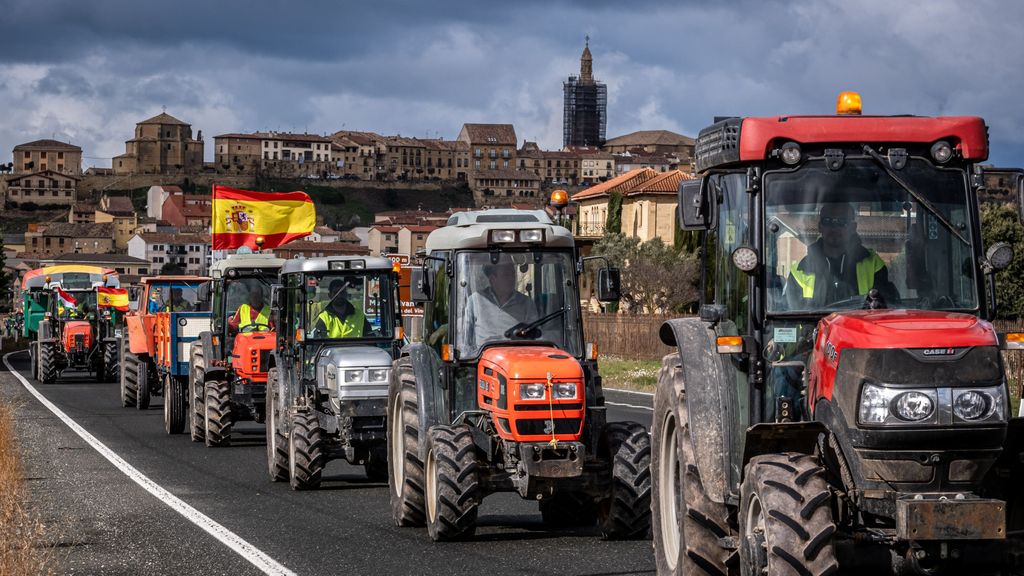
(613, 222)
(656, 278)
(999, 223)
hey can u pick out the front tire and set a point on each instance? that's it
(406, 481)
(47, 362)
(197, 396)
(175, 405)
(129, 377)
(111, 364)
(144, 383)
(217, 414)
(686, 525)
(277, 443)
(305, 452)
(786, 524)
(453, 487)
(626, 513)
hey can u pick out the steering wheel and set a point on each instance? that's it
(255, 327)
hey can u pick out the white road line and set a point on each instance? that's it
(244, 549)
(607, 403)
(623, 391)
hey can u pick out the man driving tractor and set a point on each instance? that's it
(496, 308)
(340, 319)
(255, 312)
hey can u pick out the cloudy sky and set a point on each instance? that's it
(86, 72)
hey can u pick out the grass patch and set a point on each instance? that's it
(641, 375)
(21, 534)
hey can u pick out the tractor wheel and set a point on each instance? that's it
(196, 396)
(111, 365)
(453, 488)
(686, 524)
(625, 514)
(786, 524)
(305, 451)
(129, 377)
(144, 383)
(47, 362)
(567, 510)
(277, 443)
(376, 465)
(33, 356)
(217, 416)
(406, 478)
(175, 404)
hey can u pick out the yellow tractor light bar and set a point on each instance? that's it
(848, 104)
(1012, 341)
(730, 344)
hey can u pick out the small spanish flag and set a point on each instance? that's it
(116, 298)
(241, 216)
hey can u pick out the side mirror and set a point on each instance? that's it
(420, 283)
(204, 292)
(608, 285)
(694, 207)
(276, 295)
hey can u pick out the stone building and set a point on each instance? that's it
(279, 154)
(651, 142)
(120, 214)
(491, 146)
(555, 167)
(44, 188)
(585, 106)
(43, 155)
(162, 145)
(188, 252)
(57, 238)
(649, 201)
(403, 239)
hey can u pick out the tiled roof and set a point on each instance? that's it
(421, 228)
(337, 248)
(117, 204)
(283, 136)
(87, 258)
(165, 118)
(651, 138)
(47, 145)
(78, 230)
(501, 134)
(196, 211)
(386, 229)
(664, 183)
(43, 174)
(84, 207)
(620, 183)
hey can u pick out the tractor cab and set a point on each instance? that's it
(843, 324)
(502, 394)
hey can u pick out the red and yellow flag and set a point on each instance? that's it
(112, 298)
(240, 216)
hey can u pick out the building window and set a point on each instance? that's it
(477, 164)
(168, 146)
(493, 164)
(60, 155)
(505, 163)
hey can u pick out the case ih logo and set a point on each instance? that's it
(939, 351)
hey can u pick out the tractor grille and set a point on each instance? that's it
(80, 342)
(542, 426)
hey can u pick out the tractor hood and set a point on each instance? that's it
(354, 372)
(908, 329)
(77, 335)
(532, 363)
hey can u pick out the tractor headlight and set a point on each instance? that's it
(353, 376)
(378, 375)
(531, 391)
(979, 405)
(913, 406)
(565, 391)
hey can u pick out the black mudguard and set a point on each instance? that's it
(430, 396)
(211, 352)
(711, 403)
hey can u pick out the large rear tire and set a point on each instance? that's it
(144, 383)
(626, 513)
(405, 482)
(277, 443)
(786, 524)
(129, 377)
(305, 451)
(217, 416)
(687, 525)
(175, 404)
(453, 486)
(197, 394)
(47, 362)
(111, 364)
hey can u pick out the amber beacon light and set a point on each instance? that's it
(848, 104)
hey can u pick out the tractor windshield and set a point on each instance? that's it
(247, 305)
(349, 305)
(516, 296)
(176, 297)
(84, 305)
(832, 237)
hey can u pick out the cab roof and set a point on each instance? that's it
(323, 264)
(471, 229)
(173, 278)
(246, 261)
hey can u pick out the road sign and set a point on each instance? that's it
(409, 308)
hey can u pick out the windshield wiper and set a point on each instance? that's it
(917, 195)
(523, 330)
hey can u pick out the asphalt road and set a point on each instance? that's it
(102, 522)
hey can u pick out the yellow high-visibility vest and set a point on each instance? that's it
(350, 327)
(245, 316)
(866, 270)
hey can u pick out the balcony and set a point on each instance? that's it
(590, 229)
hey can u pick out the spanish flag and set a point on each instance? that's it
(116, 298)
(240, 216)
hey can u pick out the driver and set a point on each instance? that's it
(837, 266)
(254, 312)
(492, 311)
(178, 303)
(340, 319)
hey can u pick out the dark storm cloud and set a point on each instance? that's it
(89, 70)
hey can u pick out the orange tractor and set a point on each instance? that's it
(502, 394)
(156, 351)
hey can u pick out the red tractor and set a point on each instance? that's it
(841, 403)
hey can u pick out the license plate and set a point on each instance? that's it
(950, 519)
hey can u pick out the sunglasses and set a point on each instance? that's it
(834, 222)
